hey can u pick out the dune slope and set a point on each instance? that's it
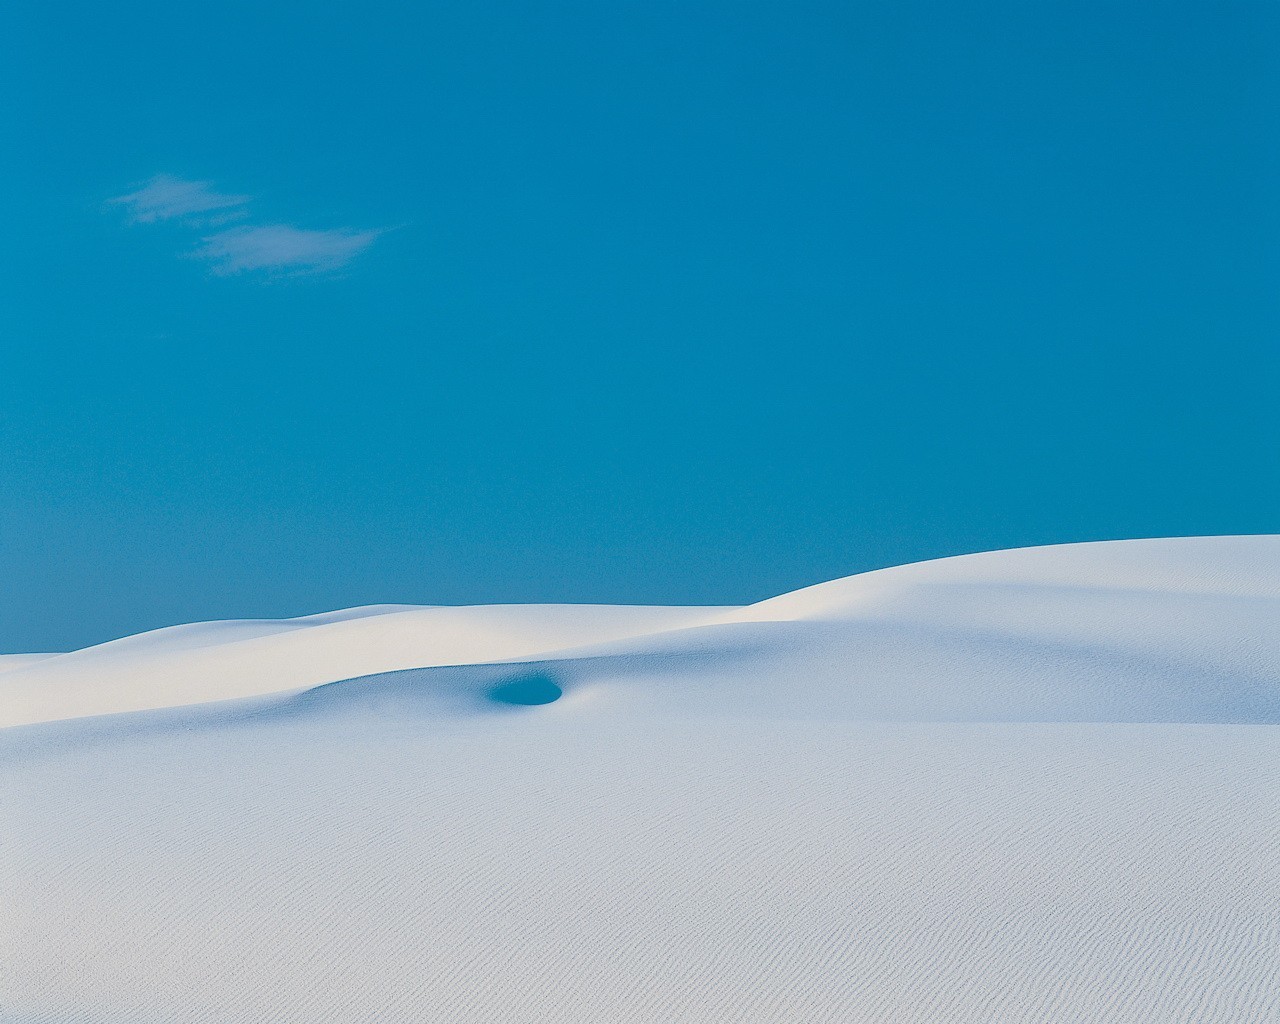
(1022, 786)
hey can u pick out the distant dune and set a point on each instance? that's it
(1039, 785)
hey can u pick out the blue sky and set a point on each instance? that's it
(311, 306)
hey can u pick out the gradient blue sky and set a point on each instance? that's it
(625, 302)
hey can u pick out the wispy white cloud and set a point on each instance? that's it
(246, 247)
(282, 247)
(165, 197)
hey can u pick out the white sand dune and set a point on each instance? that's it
(1025, 786)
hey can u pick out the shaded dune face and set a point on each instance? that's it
(1023, 786)
(868, 671)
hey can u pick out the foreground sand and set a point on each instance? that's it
(1026, 786)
